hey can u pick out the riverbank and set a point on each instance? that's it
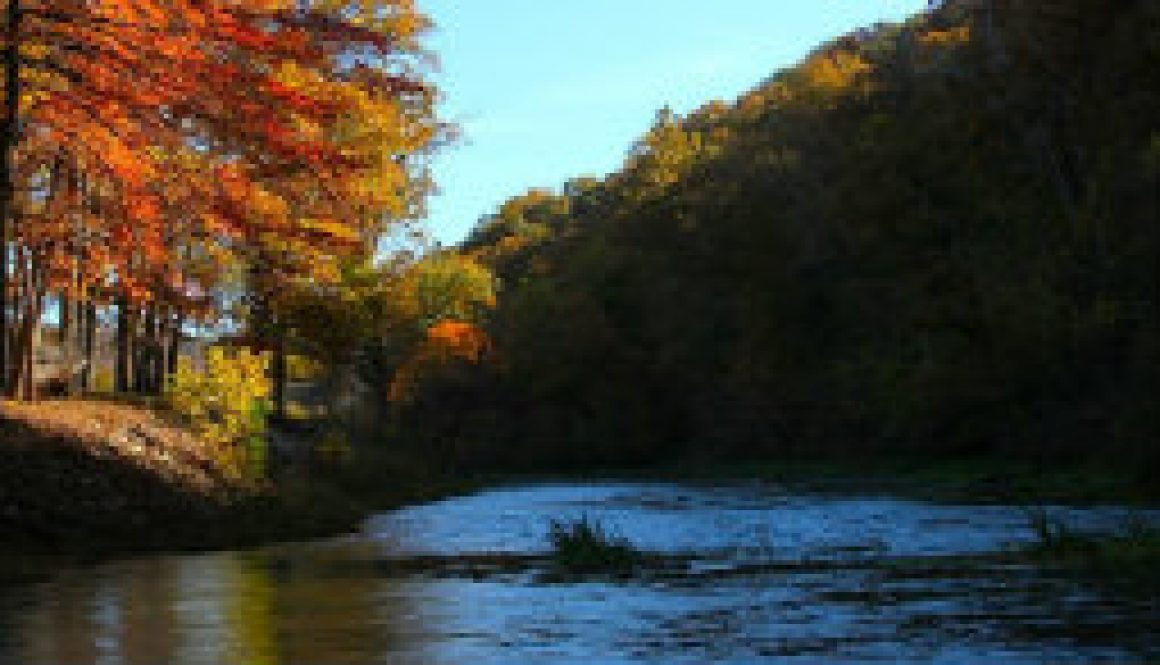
(977, 480)
(965, 480)
(96, 478)
(92, 479)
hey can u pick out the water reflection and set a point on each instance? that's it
(95, 618)
(767, 576)
(244, 608)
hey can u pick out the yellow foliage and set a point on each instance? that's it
(449, 286)
(225, 402)
(302, 368)
(956, 35)
(102, 380)
(299, 411)
(835, 71)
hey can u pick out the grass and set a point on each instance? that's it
(1131, 555)
(585, 546)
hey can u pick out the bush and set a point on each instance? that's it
(226, 403)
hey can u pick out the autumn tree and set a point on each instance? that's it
(176, 135)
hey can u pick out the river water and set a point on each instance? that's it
(750, 572)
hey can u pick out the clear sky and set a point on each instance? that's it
(545, 90)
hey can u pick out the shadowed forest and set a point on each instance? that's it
(930, 239)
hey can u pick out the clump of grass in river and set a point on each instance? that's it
(584, 546)
(1132, 553)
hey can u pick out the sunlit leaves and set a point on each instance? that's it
(215, 129)
(223, 400)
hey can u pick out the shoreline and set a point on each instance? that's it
(87, 481)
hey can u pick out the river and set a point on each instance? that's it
(757, 573)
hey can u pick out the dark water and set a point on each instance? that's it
(754, 574)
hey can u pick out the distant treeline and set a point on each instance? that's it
(933, 238)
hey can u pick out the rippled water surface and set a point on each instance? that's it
(751, 573)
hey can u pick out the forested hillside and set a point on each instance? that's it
(932, 238)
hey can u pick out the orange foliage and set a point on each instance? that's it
(446, 342)
(956, 35)
(455, 339)
(156, 131)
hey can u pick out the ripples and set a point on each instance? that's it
(735, 573)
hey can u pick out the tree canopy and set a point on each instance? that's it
(149, 146)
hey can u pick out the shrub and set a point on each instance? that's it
(226, 403)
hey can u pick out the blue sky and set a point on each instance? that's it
(545, 90)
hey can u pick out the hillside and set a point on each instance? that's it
(931, 239)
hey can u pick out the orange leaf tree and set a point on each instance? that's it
(146, 146)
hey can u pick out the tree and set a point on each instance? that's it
(174, 134)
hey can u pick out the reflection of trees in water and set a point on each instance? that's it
(193, 610)
(251, 613)
(59, 630)
(330, 612)
(114, 616)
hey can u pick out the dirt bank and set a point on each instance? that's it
(90, 476)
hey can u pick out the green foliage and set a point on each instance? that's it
(585, 546)
(379, 332)
(226, 403)
(444, 287)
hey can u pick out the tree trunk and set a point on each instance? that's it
(76, 352)
(13, 338)
(28, 346)
(21, 382)
(145, 362)
(90, 333)
(174, 344)
(155, 331)
(278, 374)
(9, 137)
(122, 364)
(64, 308)
(164, 330)
(64, 340)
